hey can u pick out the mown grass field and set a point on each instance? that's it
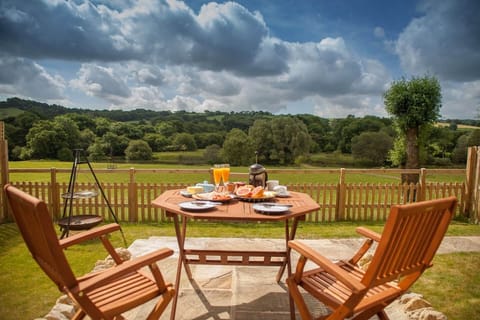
(286, 178)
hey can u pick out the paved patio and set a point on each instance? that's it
(239, 292)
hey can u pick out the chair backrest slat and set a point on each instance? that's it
(36, 228)
(410, 239)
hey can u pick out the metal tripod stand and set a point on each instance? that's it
(80, 158)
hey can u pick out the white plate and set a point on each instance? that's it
(197, 205)
(271, 207)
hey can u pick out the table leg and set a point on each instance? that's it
(181, 259)
(289, 235)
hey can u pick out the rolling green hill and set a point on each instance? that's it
(10, 113)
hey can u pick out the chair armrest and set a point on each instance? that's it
(375, 236)
(327, 265)
(88, 235)
(123, 269)
(371, 237)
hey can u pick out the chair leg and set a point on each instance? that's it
(162, 303)
(367, 314)
(298, 299)
(382, 315)
(79, 315)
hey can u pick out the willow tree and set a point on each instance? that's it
(415, 105)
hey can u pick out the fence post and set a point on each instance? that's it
(422, 181)
(470, 191)
(4, 172)
(476, 188)
(54, 194)
(341, 191)
(132, 198)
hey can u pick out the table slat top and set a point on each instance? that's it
(235, 209)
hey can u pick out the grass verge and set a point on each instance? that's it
(26, 293)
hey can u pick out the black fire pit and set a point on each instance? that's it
(80, 222)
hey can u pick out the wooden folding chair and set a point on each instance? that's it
(406, 247)
(100, 295)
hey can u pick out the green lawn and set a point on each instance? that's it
(26, 293)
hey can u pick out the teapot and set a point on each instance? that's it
(257, 175)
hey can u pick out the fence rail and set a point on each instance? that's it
(131, 200)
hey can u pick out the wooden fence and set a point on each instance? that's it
(131, 201)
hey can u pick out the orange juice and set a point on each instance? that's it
(217, 175)
(225, 174)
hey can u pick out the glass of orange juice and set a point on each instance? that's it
(225, 173)
(217, 174)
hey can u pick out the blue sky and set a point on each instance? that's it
(328, 58)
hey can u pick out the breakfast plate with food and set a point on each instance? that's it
(250, 193)
(213, 196)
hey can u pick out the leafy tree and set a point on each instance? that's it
(17, 131)
(156, 141)
(238, 148)
(280, 140)
(68, 132)
(102, 126)
(474, 138)
(65, 154)
(46, 137)
(260, 136)
(459, 154)
(41, 140)
(138, 150)
(184, 142)
(440, 143)
(320, 132)
(356, 126)
(83, 121)
(114, 145)
(87, 138)
(209, 138)
(166, 129)
(414, 105)
(212, 154)
(372, 147)
(127, 129)
(98, 151)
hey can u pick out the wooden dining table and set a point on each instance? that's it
(241, 210)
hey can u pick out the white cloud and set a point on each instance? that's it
(164, 55)
(101, 82)
(460, 98)
(25, 78)
(146, 97)
(444, 41)
(351, 104)
(65, 30)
